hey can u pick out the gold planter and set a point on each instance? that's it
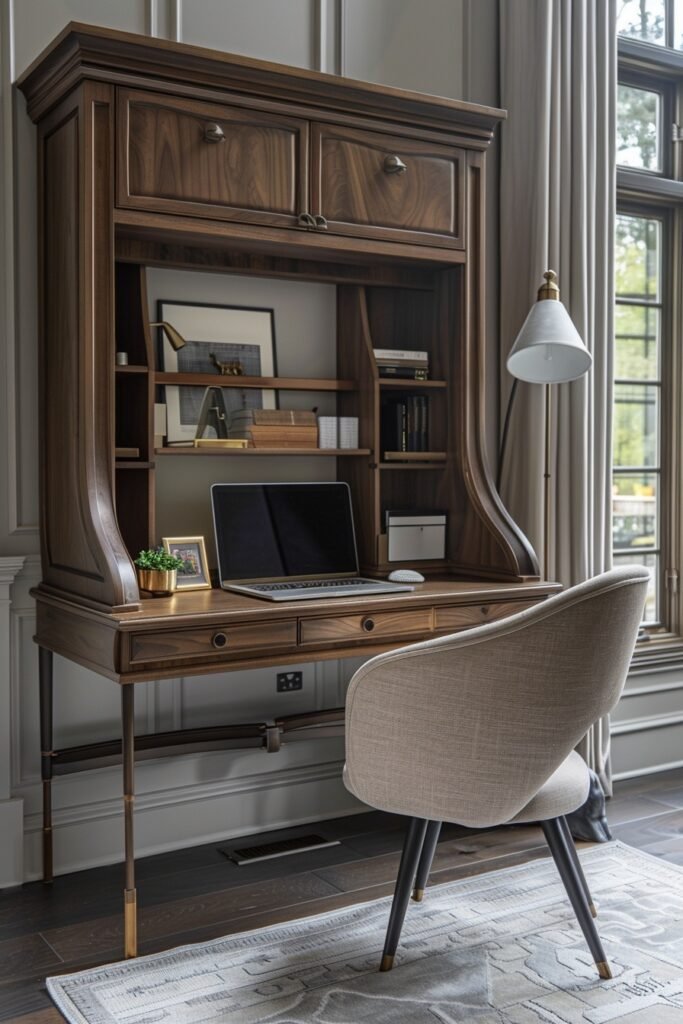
(157, 581)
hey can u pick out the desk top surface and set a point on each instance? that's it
(211, 605)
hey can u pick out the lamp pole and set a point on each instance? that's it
(548, 350)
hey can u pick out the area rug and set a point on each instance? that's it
(501, 948)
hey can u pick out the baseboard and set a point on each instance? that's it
(12, 845)
(90, 835)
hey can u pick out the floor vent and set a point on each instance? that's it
(282, 848)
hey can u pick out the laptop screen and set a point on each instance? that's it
(273, 531)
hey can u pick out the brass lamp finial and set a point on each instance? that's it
(550, 289)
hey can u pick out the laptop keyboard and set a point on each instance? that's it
(311, 584)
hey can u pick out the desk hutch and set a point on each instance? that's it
(154, 153)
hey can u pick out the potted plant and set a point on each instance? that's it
(157, 570)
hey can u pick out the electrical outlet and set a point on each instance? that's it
(287, 681)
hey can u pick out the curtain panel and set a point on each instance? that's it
(557, 211)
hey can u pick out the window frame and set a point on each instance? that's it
(658, 194)
(637, 79)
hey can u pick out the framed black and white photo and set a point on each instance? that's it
(242, 338)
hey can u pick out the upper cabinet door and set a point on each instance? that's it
(387, 186)
(188, 157)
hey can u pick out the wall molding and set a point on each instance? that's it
(646, 724)
(11, 808)
(89, 834)
(176, 20)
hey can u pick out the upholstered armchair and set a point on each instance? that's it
(479, 728)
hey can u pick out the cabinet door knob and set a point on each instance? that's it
(394, 165)
(213, 132)
(219, 640)
(368, 625)
(306, 220)
(321, 222)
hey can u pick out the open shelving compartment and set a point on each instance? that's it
(389, 305)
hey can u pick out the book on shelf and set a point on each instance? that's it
(273, 436)
(403, 372)
(404, 424)
(273, 417)
(400, 355)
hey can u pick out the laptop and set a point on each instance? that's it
(289, 542)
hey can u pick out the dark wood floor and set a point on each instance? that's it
(196, 894)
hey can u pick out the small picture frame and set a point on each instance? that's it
(195, 572)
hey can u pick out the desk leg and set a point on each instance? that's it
(130, 919)
(46, 754)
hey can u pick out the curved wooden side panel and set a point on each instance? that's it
(491, 544)
(82, 550)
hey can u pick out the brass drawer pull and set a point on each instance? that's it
(321, 222)
(213, 132)
(485, 610)
(394, 165)
(368, 625)
(219, 640)
(306, 220)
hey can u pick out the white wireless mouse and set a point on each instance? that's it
(405, 576)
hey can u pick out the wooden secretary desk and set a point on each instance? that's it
(154, 153)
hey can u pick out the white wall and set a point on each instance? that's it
(412, 43)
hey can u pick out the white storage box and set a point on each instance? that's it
(413, 538)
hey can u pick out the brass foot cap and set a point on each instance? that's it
(604, 970)
(418, 895)
(593, 909)
(387, 963)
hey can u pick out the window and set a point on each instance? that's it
(651, 21)
(647, 526)
(637, 400)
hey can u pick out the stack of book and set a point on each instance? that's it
(405, 424)
(275, 428)
(402, 363)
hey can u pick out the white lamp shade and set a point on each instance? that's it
(548, 349)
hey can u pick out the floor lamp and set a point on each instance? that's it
(548, 350)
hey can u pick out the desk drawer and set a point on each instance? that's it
(372, 627)
(354, 185)
(462, 617)
(211, 641)
(183, 156)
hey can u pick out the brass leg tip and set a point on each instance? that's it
(418, 895)
(604, 970)
(387, 963)
(593, 909)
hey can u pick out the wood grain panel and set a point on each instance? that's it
(258, 172)
(351, 188)
(475, 615)
(171, 645)
(372, 627)
(67, 544)
(82, 551)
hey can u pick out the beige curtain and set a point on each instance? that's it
(558, 83)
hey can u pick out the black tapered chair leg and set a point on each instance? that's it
(426, 858)
(555, 837)
(412, 848)
(577, 864)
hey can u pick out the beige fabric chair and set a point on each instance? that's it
(479, 728)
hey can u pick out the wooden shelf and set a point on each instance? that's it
(132, 464)
(242, 452)
(131, 369)
(408, 384)
(217, 380)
